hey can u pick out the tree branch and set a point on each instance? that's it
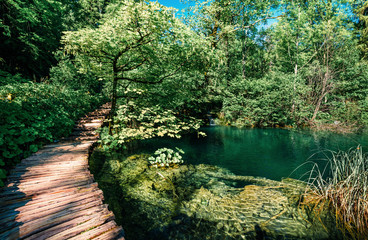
(139, 80)
(145, 81)
(123, 69)
(259, 20)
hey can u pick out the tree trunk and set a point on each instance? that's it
(244, 51)
(326, 88)
(113, 102)
(316, 109)
(294, 88)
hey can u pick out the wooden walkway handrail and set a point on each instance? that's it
(53, 195)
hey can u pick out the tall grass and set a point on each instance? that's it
(344, 192)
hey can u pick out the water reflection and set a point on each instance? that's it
(270, 153)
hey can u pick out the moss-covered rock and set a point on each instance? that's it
(202, 202)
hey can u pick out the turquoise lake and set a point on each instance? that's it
(270, 153)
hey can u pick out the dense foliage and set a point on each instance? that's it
(137, 43)
(305, 69)
(32, 114)
(253, 63)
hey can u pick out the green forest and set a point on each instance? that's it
(276, 63)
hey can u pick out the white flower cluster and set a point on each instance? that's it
(166, 157)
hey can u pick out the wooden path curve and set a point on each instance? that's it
(52, 194)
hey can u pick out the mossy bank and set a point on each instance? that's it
(201, 202)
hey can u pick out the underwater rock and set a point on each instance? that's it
(204, 202)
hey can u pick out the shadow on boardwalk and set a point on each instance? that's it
(52, 194)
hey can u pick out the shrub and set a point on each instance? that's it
(66, 74)
(166, 157)
(265, 102)
(6, 78)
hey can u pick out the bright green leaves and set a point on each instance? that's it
(136, 43)
(135, 122)
(166, 157)
(134, 35)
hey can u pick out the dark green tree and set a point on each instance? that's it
(31, 31)
(361, 10)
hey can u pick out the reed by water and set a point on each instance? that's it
(344, 193)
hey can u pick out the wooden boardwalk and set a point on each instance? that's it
(52, 194)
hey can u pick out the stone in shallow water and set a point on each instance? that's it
(203, 202)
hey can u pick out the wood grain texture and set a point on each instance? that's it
(52, 194)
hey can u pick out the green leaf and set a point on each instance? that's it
(33, 148)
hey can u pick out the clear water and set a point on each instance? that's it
(270, 153)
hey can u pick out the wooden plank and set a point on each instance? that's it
(91, 124)
(50, 199)
(62, 210)
(62, 185)
(56, 154)
(38, 175)
(54, 157)
(83, 128)
(52, 194)
(52, 166)
(114, 233)
(20, 196)
(92, 233)
(46, 177)
(51, 206)
(21, 177)
(59, 215)
(41, 224)
(82, 138)
(83, 133)
(77, 226)
(24, 230)
(11, 234)
(58, 145)
(43, 208)
(65, 146)
(32, 186)
(92, 119)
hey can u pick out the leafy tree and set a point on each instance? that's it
(31, 31)
(231, 27)
(361, 9)
(137, 43)
(311, 42)
(82, 13)
(66, 73)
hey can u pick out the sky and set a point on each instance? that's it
(173, 3)
(178, 4)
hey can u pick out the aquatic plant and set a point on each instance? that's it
(165, 157)
(344, 193)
